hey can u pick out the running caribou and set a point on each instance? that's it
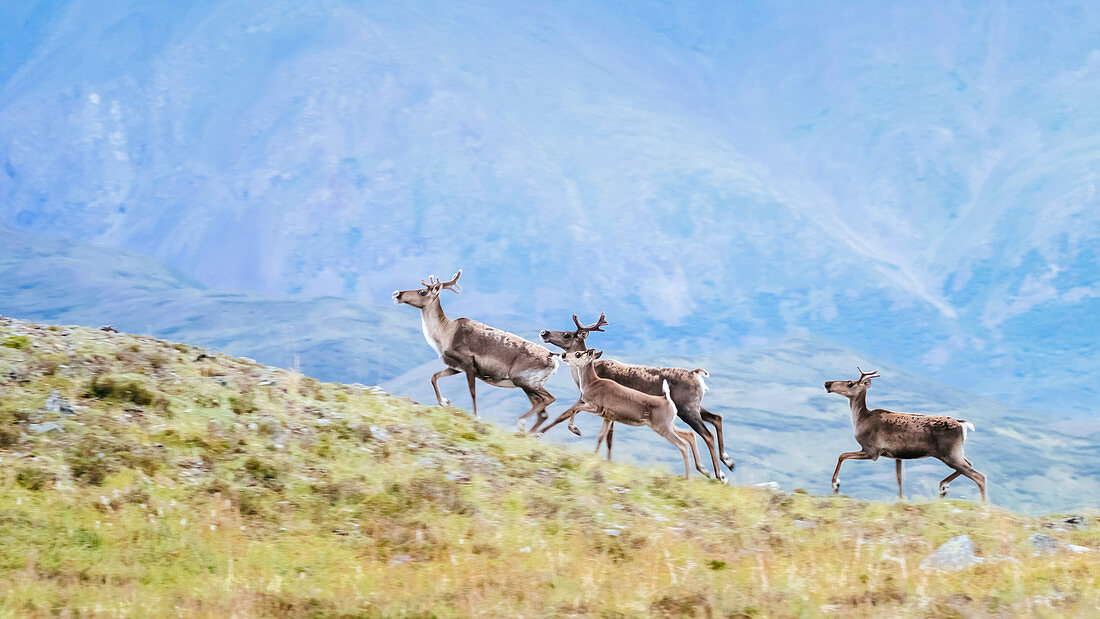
(480, 351)
(687, 387)
(903, 436)
(618, 403)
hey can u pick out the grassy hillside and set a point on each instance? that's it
(217, 486)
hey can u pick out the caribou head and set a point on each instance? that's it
(573, 340)
(421, 297)
(852, 388)
(581, 358)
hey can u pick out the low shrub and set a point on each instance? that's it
(264, 473)
(92, 460)
(122, 390)
(18, 342)
(34, 478)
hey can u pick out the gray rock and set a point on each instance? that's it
(458, 477)
(400, 560)
(956, 553)
(803, 524)
(379, 434)
(770, 485)
(42, 428)
(1043, 544)
(1075, 522)
(1074, 548)
(57, 404)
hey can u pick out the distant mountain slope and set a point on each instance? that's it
(918, 183)
(780, 425)
(62, 282)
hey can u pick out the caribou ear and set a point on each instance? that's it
(598, 355)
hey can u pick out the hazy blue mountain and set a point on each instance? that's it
(62, 283)
(915, 181)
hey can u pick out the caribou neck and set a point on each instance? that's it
(434, 321)
(859, 407)
(587, 377)
(575, 372)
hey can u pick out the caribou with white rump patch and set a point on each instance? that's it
(903, 436)
(687, 387)
(480, 351)
(618, 403)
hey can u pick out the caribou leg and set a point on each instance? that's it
(962, 465)
(603, 435)
(950, 478)
(669, 432)
(569, 414)
(849, 455)
(437, 376)
(689, 437)
(900, 495)
(715, 420)
(540, 399)
(947, 480)
(470, 381)
(690, 414)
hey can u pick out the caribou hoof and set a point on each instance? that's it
(722, 478)
(943, 491)
(575, 430)
(445, 402)
(728, 461)
(836, 487)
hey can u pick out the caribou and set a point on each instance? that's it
(619, 403)
(478, 350)
(903, 436)
(687, 387)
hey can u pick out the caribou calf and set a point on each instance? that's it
(687, 388)
(480, 351)
(903, 436)
(617, 403)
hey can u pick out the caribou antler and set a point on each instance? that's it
(433, 281)
(598, 326)
(450, 284)
(871, 374)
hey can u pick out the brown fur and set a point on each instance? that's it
(480, 351)
(902, 436)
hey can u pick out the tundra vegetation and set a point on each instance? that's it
(215, 486)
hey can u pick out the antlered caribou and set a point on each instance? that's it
(478, 350)
(903, 436)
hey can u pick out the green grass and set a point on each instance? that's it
(224, 487)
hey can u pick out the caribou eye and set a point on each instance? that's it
(422, 292)
(568, 335)
(850, 383)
